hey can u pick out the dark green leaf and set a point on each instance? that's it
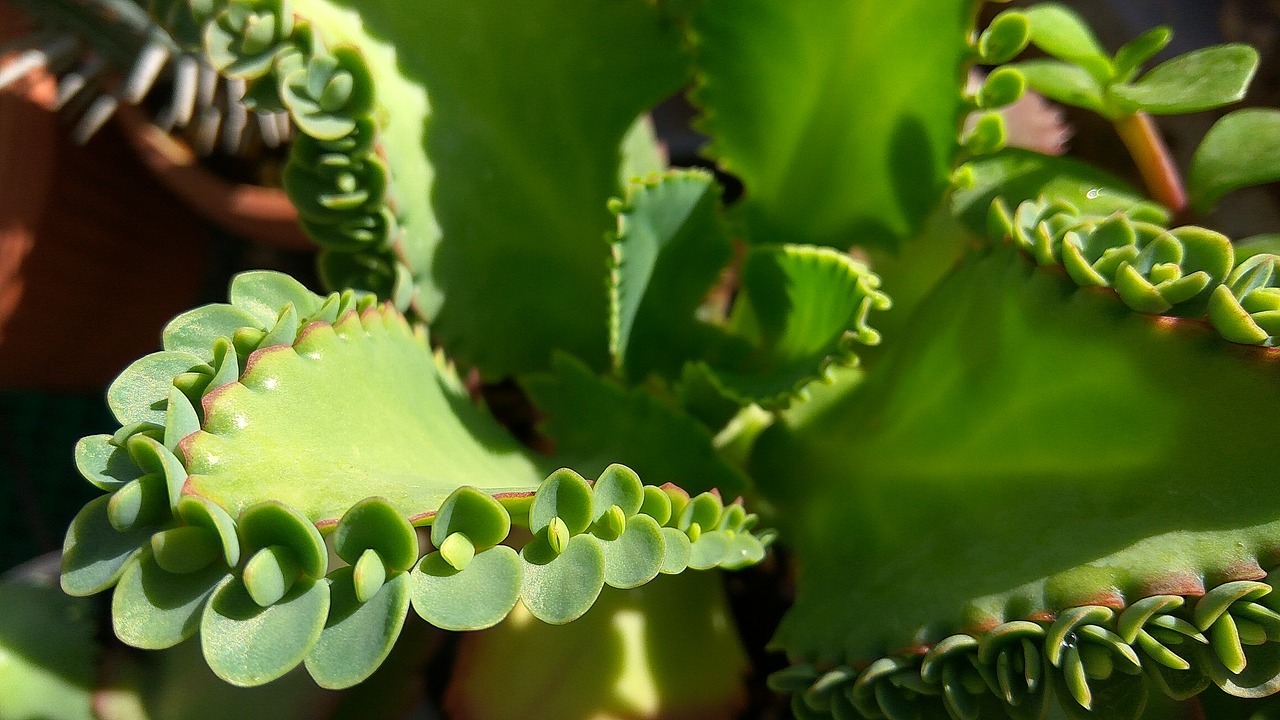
(1240, 150)
(671, 246)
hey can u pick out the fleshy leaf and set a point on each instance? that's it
(670, 247)
(800, 310)
(794, 110)
(470, 599)
(103, 463)
(357, 636)
(1018, 175)
(155, 609)
(246, 644)
(94, 554)
(1216, 168)
(141, 392)
(1062, 33)
(1199, 80)
(627, 426)
(558, 588)
(375, 524)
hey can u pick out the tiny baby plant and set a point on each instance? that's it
(1047, 491)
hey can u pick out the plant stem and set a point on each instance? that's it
(1151, 155)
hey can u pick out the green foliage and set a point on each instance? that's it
(1044, 495)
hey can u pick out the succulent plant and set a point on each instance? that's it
(1042, 489)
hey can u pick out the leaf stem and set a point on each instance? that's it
(1151, 155)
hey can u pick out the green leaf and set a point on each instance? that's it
(481, 518)
(564, 495)
(141, 392)
(626, 426)
(836, 140)
(1020, 175)
(1006, 36)
(357, 636)
(263, 294)
(272, 524)
(559, 588)
(634, 557)
(154, 609)
(103, 463)
(1062, 33)
(1199, 80)
(246, 644)
(353, 410)
(1240, 150)
(94, 553)
(375, 524)
(514, 156)
(1137, 51)
(1062, 81)
(800, 310)
(195, 331)
(669, 250)
(471, 599)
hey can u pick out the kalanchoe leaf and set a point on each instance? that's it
(272, 524)
(988, 135)
(1247, 308)
(196, 330)
(104, 463)
(670, 247)
(1004, 86)
(788, 116)
(476, 597)
(358, 634)
(1199, 80)
(1006, 37)
(564, 495)
(486, 522)
(141, 392)
(374, 524)
(1020, 175)
(329, 94)
(800, 310)
(560, 587)
(1216, 168)
(243, 40)
(635, 556)
(262, 294)
(153, 608)
(95, 553)
(1062, 33)
(246, 644)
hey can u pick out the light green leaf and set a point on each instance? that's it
(632, 427)
(1199, 80)
(405, 436)
(1062, 33)
(1240, 150)
(1062, 81)
(246, 644)
(357, 636)
(154, 609)
(670, 247)
(474, 598)
(836, 140)
(94, 553)
(559, 588)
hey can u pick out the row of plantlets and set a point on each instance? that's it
(1048, 490)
